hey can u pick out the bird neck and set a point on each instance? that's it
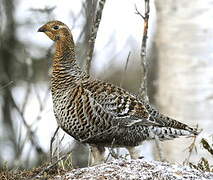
(65, 66)
(64, 53)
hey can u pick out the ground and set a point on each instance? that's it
(136, 169)
(119, 169)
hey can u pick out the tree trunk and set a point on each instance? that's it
(185, 68)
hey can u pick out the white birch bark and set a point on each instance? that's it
(184, 41)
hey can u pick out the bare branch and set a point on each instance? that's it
(143, 87)
(57, 148)
(112, 152)
(191, 147)
(125, 69)
(94, 34)
(26, 97)
(51, 143)
(138, 13)
(31, 133)
(6, 85)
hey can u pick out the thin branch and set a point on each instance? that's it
(112, 152)
(26, 97)
(138, 13)
(191, 147)
(51, 143)
(94, 34)
(125, 69)
(32, 135)
(57, 149)
(6, 85)
(145, 17)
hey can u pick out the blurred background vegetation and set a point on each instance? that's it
(180, 66)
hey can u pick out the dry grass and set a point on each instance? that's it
(6, 174)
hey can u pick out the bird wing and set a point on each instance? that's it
(127, 108)
(120, 104)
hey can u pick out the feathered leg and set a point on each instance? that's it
(97, 155)
(133, 152)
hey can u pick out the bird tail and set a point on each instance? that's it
(167, 133)
(168, 128)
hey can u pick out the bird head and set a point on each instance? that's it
(55, 30)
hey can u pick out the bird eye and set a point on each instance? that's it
(56, 27)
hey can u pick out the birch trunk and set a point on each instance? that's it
(184, 41)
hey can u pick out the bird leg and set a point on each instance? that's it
(96, 155)
(133, 152)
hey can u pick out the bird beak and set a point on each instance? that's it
(42, 29)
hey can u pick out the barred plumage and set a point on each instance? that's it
(99, 113)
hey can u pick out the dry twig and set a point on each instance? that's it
(191, 147)
(51, 165)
